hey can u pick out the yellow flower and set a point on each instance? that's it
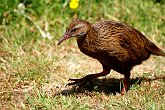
(75, 0)
(73, 4)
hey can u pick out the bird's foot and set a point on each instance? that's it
(76, 81)
(87, 78)
(81, 80)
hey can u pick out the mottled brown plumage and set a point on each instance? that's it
(115, 45)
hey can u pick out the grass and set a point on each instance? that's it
(34, 71)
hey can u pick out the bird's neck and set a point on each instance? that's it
(85, 42)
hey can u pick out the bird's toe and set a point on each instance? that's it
(73, 79)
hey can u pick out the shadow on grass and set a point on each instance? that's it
(107, 86)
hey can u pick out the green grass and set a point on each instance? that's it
(34, 70)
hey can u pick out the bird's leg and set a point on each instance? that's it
(126, 83)
(89, 77)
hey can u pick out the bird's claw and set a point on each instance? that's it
(76, 81)
(73, 79)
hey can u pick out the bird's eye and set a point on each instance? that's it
(74, 30)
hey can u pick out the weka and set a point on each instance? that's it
(115, 45)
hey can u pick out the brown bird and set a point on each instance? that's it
(115, 45)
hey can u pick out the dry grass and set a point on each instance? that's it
(18, 92)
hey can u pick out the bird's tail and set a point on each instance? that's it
(156, 50)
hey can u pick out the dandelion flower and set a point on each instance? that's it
(75, 0)
(73, 4)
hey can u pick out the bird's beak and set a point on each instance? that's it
(64, 37)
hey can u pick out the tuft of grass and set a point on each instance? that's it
(34, 71)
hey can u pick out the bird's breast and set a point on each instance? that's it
(85, 45)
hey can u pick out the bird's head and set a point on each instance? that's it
(77, 28)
